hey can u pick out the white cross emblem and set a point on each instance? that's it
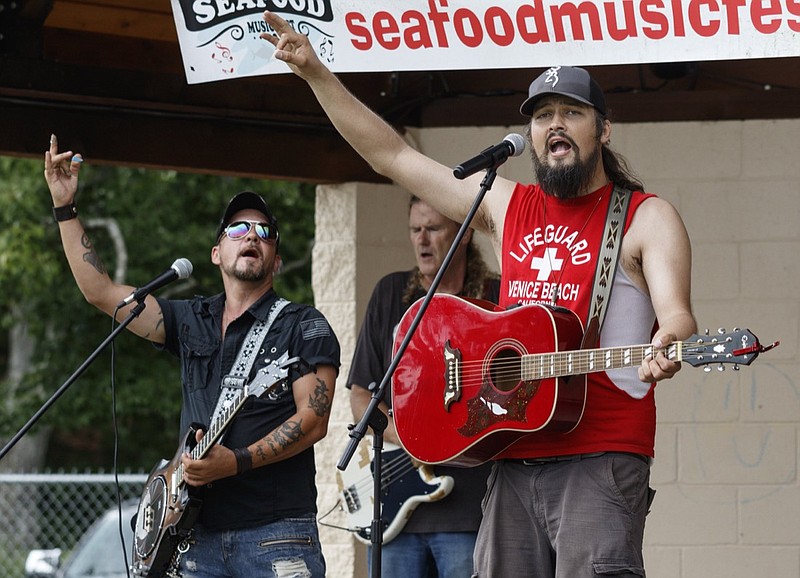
(547, 264)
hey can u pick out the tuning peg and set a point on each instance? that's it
(720, 367)
(705, 332)
(721, 331)
(735, 367)
(707, 368)
(737, 329)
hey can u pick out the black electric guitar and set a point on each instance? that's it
(168, 507)
(404, 486)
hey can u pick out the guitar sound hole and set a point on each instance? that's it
(505, 370)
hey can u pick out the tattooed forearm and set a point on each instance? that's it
(320, 400)
(91, 256)
(287, 434)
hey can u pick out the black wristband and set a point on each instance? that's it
(244, 461)
(65, 213)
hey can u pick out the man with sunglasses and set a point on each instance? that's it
(258, 492)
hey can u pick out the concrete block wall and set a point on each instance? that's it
(728, 496)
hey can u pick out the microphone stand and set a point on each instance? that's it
(78, 372)
(375, 418)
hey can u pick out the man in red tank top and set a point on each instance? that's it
(560, 505)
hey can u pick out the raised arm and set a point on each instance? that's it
(61, 171)
(379, 144)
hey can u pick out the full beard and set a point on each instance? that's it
(565, 180)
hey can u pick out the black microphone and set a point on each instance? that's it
(492, 157)
(180, 269)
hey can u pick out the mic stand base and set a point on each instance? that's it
(377, 420)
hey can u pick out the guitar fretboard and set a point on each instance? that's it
(216, 428)
(566, 363)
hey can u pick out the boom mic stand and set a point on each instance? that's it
(375, 418)
(78, 372)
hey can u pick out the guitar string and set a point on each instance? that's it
(473, 371)
(367, 483)
(512, 371)
(396, 467)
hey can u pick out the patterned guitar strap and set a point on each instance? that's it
(240, 370)
(608, 256)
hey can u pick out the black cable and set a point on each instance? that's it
(116, 446)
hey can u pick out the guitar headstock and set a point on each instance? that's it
(270, 376)
(739, 347)
(274, 374)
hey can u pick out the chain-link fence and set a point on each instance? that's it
(54, 510)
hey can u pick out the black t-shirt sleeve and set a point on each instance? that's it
(373, 353)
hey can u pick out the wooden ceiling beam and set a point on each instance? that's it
(130, 137)
(142, 20)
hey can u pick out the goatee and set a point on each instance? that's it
(562, 180)
(249, 275)
(252, 273)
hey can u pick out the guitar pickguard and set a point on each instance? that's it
(502, 395)
(491, 406)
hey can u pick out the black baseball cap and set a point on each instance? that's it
(242, 201)
(568, 81)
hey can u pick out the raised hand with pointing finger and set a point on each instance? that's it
(61, 172)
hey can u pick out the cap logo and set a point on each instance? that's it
(551, 76)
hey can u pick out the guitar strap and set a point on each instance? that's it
(609, 253)
(240, 371)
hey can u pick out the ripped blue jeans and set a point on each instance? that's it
(288, 548)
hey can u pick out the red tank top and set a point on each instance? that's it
(550, 248)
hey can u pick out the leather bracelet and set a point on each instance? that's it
(244, 460)
(65, 213)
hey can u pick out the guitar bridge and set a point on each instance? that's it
(452, 375)
(149, 519)
(351, 500)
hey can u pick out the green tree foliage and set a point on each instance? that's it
(162, 215)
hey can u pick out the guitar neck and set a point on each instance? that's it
(218, 426)
(582, 361)
(214, 432)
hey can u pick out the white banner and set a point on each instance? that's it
(219, 39)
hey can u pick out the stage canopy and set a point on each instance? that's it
(188, 85)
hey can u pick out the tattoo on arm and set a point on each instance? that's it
(91, 256)
(159, 323)
(320, 400)
(287, 434)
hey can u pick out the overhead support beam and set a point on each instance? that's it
(129, 137)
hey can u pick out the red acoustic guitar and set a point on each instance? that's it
(474, 380)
